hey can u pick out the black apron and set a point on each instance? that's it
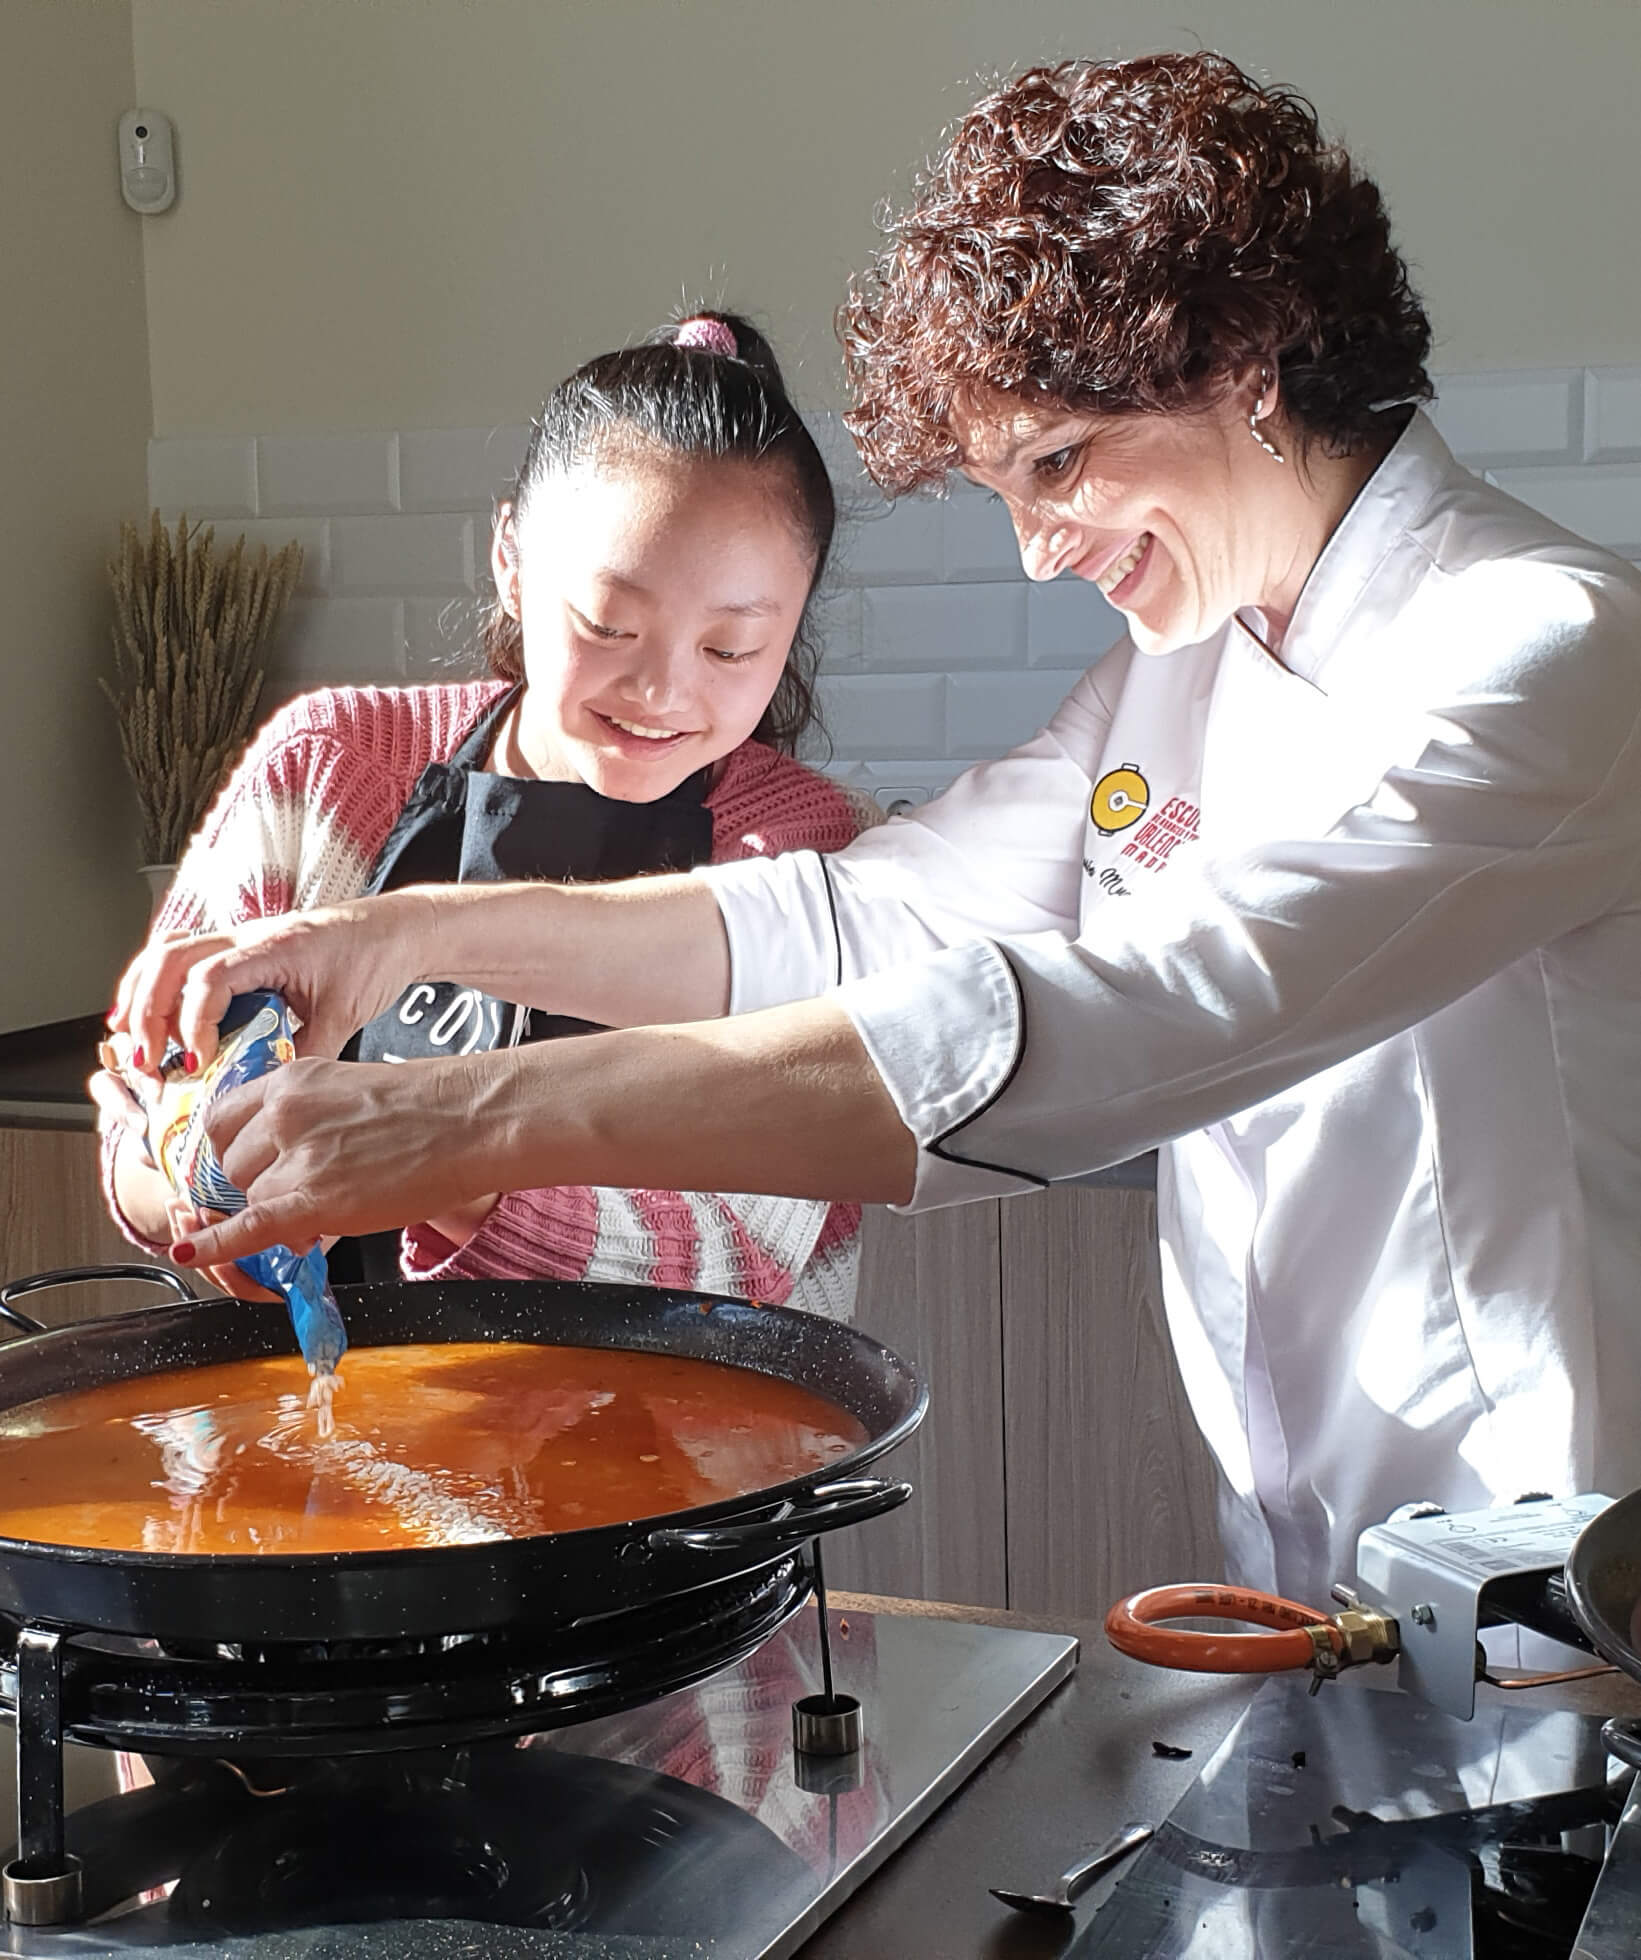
(464, 825)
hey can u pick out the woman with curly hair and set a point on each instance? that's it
(1326, 880)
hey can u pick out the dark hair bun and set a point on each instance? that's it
(750, 346)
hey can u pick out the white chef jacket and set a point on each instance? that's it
(1355, 937)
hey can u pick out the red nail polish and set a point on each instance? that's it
(138, 1058)
(183, 1253)
(190, 1062)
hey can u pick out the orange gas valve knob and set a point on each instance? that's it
(1301, 1636)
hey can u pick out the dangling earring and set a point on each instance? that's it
(1265, 443)
(507, 593)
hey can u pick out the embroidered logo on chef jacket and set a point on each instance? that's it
(1177, 822)
(1121, 797)
(1120, 807)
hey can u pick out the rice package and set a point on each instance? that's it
(257, 1034)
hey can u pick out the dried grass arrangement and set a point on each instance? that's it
(189, 628)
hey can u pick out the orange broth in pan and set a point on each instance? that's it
(455, 1444)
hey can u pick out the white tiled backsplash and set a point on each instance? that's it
(938, 650)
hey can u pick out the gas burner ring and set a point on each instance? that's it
(268, 1701)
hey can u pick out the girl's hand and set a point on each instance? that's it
(141, 1189)
(119, 1110)
(338, 968)
(145, 1197)
(458, 1223)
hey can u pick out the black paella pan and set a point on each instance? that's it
(1603, 1579)
(553, 1579)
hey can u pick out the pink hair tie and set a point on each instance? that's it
(716, 336)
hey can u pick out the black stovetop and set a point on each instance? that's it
(684, 1827)
(1364, 1825)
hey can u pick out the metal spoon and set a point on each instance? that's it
(1080, 1877)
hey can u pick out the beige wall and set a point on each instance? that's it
(418, 212)
(74, 421)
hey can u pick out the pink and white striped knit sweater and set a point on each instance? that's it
(300, 824)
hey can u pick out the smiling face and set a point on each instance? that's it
(1179, 519)
(658, 598)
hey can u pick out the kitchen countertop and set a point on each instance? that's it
(43, 1072)
(1078, 1770)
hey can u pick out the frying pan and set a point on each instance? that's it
(1604, 1590)
(554, 1578)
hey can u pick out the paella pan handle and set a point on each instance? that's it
(1621, 1737)
(75, 1276)
(828, 1507)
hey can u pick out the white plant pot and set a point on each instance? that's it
(159, 878)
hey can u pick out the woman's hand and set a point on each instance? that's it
(183, 1221)
(338, 968)
(784, 1101)
(326, 1148)
(650, 949)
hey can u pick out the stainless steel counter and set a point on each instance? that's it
(1077, 1771)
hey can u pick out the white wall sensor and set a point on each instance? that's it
(148, 172)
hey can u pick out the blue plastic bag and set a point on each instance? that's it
(256, 1034)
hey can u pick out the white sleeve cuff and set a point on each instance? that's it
(946, 1035)
(783, 941)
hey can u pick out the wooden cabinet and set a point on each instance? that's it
(1110, 1485)
(1059, 1466)
(931, 1288)
(51, 1214)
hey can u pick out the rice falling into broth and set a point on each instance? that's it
(322, 1386)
